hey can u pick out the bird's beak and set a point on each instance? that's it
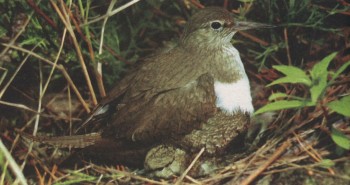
(242, 25)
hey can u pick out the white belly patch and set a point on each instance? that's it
(233, 97)
(236, 96)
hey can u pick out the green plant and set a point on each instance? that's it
(317, 82)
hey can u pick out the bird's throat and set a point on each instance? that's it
(233, 92)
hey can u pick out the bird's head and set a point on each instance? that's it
(214, 26)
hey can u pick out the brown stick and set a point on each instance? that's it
(253, 38)
(179, 181)
(59, 67)
(197, 4)
(98, 76)
(63, 16)
(32, 4)
(258, 171)
(287, 46)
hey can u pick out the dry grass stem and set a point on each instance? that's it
(13, 165)
(287, 46)
(259, 170)
(59, 67)
(66, 21)
(179, 181)
(121, 8)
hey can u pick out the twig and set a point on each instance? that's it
(258, 171)
(192, 180)
(60, 67)
(197, 4)
(52, 174)
(16, 72)
(16, 36)
(295, 167)
(313, 153)
(32, 4)
(113, 12)
(143, 179)
(344, 177)
(253, 38)
(56, 60)
(225, 4)
(252, 160)
(189, 167)
(70, 173)
(70, 111)
(13, 165)
(41, 178)
(65, 19)
(287, 46)
(37, 116)
(20, 106)
(131, 175)
(99, 65)
(75, 89)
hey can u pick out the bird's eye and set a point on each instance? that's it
(216, 25)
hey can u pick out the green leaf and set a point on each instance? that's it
(340, 139)
(341, 106)
(277, 95)
(320, 69)
(319, 75)
(317, 88)
(283, 104)
(326, 163)
(340, 70)
(293, 75)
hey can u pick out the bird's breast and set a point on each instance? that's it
(234, 97)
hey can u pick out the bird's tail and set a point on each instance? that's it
(77, 141)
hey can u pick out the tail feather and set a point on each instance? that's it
(77, 141)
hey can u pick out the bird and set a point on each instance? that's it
(193, 95)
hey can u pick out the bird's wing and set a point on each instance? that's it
(142, 81)
(108, 104)
(165, 71)
(166, 99)
(171, 113)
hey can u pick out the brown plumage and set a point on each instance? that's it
(171, 98)
(173, 92)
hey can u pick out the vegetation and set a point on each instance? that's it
(59, 58)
